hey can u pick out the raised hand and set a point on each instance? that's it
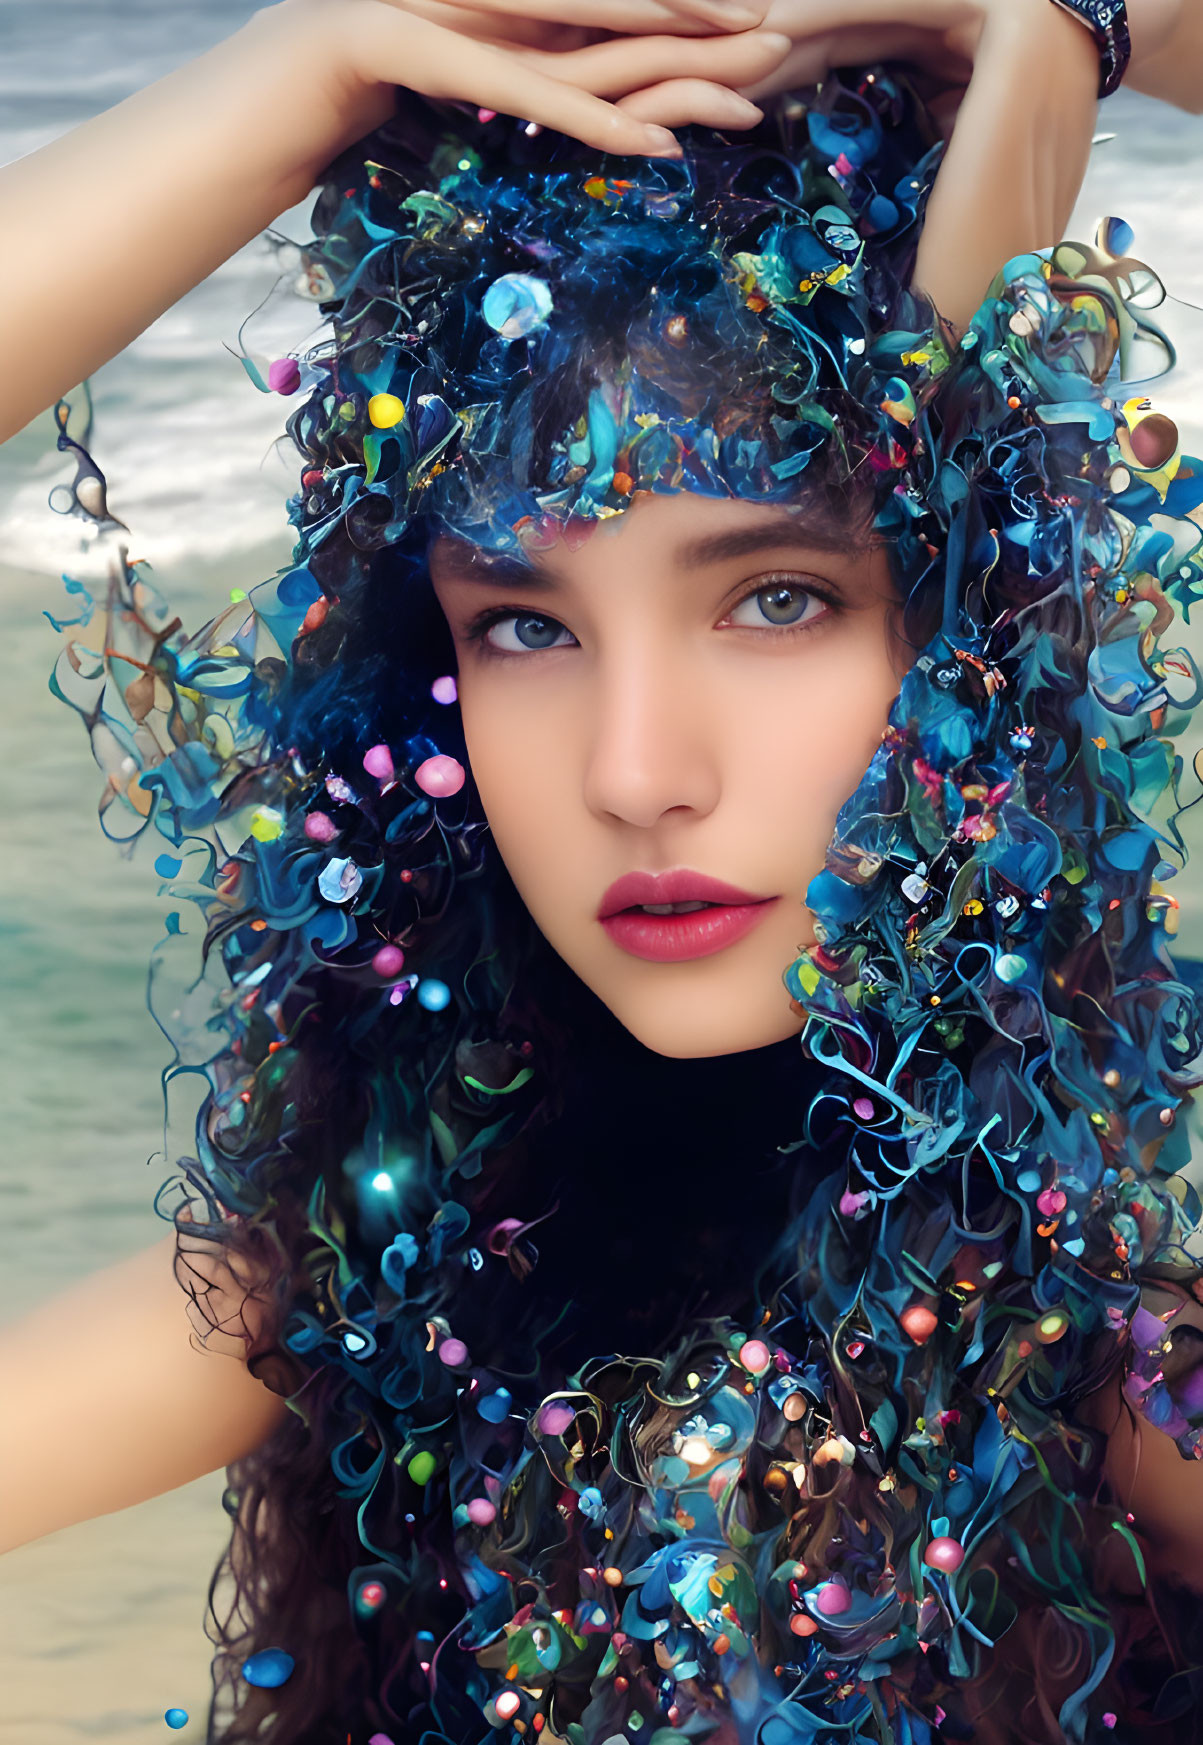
(1012, 84)
(199, 163)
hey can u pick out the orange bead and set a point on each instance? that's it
(918, 1323)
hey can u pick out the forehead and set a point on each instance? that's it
(682, 530)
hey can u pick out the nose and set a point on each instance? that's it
(653, 747)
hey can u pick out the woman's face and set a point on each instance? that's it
(670, 716)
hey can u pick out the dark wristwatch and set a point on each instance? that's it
(1107, 20)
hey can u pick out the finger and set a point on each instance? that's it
(811, 59)
(624, 65)
(391, 48)
(622, 17)
(725, 14)
(691, 103)
(514, 29)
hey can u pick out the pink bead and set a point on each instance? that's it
(833, 1599)
(1108, 1720)
(555, 1418)
(439, 777)
(509, 1702)
(444, 690)
(850, 1203)
(918, 1323)
(388, 962)
(284, 375)
(944, 1553)
(372, 1594)
(453, 1352)
(320, 827)
(1050, 1202)
(863, 1109)
(379, 763)
(481, 1512)
(380, 1739)
(755, 1356)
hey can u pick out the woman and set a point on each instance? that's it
(824, 1454)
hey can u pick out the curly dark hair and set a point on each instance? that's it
(585, 1439)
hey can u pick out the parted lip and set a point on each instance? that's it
(681, 885)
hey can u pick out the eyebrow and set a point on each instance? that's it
(469, 563)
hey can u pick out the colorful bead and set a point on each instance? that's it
(267, 825)
(944, 1554)
(176, 1718)
(386, 411)
(755, 1356)
(516, 304)
(444, 690)
(388, 962)
(378, 761)
(421, 1467)
(833, 1599)
(454, 1353)
(918, 1323)
(1051, 1202)
(481, 1512)
(507, 1704)
(284, 375)
(440, 777)
(269, 1668)
(320, 827)
(433, 995)
(1051, 1326)
(370, 1597)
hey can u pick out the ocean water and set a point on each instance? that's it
(100, 1625)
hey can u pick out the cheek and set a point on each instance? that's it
(807, 733)
(524, 777)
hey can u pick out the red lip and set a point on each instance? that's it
(676, 938)
(678, 886)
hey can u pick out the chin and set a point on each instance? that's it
(695, 1031)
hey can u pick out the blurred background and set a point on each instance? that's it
(101, 1625)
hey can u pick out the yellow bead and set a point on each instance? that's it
(385, 410)
(266, 824)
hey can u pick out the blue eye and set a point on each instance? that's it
(781, 604)
(527, 632)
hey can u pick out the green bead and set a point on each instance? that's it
(421, 1467)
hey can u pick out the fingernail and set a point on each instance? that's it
(662, 141)
(775, 40)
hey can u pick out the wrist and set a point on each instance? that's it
(311, 99)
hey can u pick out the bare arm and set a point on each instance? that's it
(107, 1401)
(1167, 51)
(154, 194)
(1017, 156)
